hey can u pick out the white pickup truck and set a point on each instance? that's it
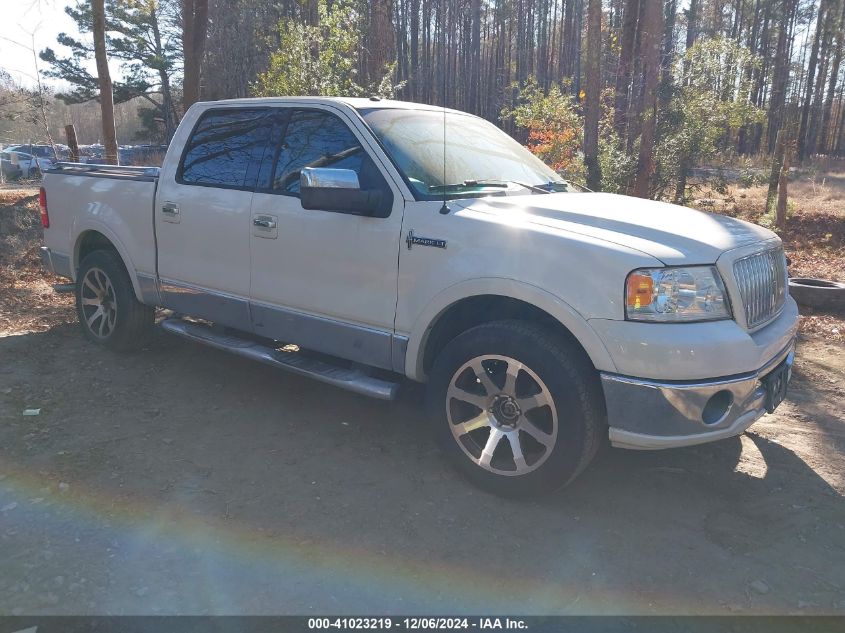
(359, 241)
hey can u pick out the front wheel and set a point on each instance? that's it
(108, 311)
(517, 408)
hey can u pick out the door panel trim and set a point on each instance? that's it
(365, 345)
(398, 351)
(149, 289)
(206, 304)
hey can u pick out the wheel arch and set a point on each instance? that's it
(90, 239)
(472, 303)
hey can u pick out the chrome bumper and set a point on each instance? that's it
(647, 414)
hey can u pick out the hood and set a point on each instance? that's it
(671, 233)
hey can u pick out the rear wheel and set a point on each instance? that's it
(108, 311)
(516, 408)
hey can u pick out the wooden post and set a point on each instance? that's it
(70, 133)
(780, 216)
(774, 175)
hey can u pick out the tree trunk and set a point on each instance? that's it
(636, 97)
(312, 12)
(98, 18)
(475, 55)
(742, 135)
(681, 182)
(780, 216)
(692, 28)
(778, 160)
(624, 67)
(168, 113)
(811, 76)
(667, 53)
(194, 32)
(780, 78)
(810, 140)
(650, 48)
(825, 133)
(414, 79)
(592, 106)
(380, 39)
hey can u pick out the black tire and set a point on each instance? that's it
(558, 367)
(130, 321)
(818, 293)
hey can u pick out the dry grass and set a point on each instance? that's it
(28, 302)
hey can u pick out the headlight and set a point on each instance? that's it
(676, 294)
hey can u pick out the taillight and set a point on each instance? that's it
(42, 202)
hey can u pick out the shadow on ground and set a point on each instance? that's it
(184, 480)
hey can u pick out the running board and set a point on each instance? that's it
(343, 377)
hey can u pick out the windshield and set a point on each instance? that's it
(480, 159)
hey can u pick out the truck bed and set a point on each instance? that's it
(130, 172)
(116, 201)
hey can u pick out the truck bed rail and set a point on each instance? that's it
(106, 171)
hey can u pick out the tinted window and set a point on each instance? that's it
(316, 139)
(225, 148)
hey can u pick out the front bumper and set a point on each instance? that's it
(653, 414)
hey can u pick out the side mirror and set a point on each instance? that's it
(326, 189)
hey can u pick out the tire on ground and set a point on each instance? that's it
(818, 293)
(133, 320)
(570, 379)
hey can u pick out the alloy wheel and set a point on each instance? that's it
(502, 415)
(99, 306)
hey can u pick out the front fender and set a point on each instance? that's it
(542, 299)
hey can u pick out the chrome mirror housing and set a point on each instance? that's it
(328, 178)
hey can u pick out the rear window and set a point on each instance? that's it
(225, 147)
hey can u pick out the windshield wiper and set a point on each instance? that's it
(568, 186)
(504, 183)
(488, 183)
(467, 183)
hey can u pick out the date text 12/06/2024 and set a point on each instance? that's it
(417, 624)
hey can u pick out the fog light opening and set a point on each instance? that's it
(717, 407)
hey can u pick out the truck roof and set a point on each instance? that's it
(358, 103)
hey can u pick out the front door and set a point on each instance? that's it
(321, 279)
(203, 216)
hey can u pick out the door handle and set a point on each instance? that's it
(264, 226)
(170, 213)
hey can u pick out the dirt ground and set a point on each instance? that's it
(184, 480)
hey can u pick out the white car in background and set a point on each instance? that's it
(31, 166)
(33, 159)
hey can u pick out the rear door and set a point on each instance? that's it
(325, 280)
(203, 216)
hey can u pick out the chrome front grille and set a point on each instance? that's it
(762, 284)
